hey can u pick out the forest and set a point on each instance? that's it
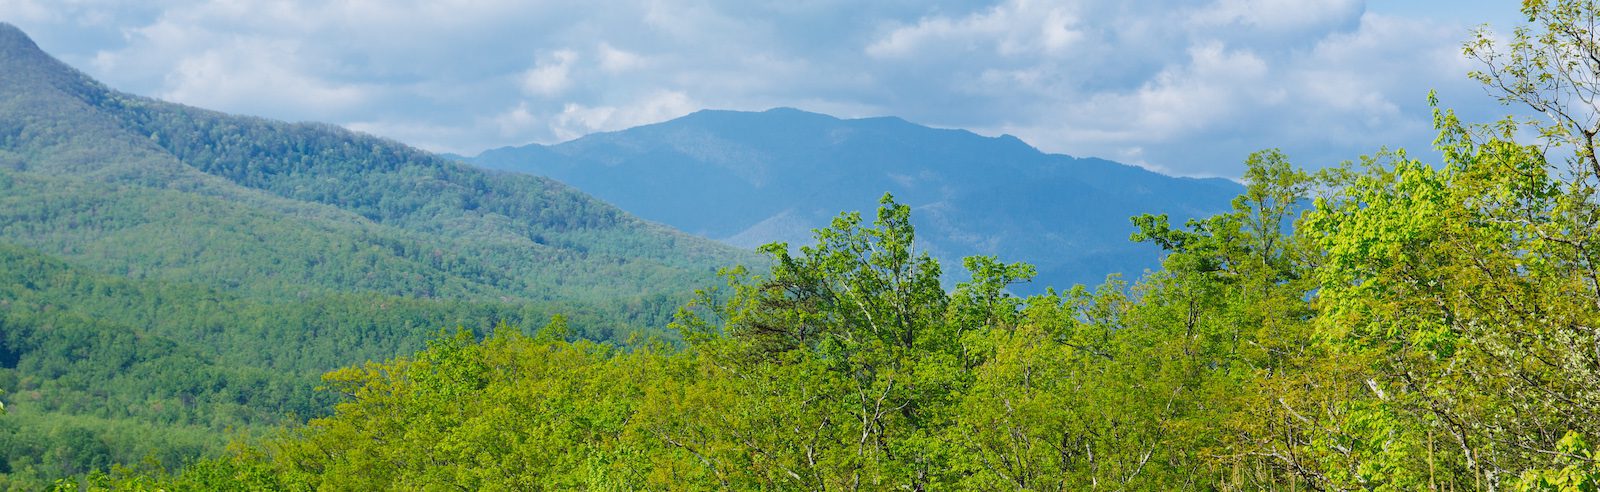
(1385, 324)
(161, 296)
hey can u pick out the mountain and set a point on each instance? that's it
(149, 189)
(749, 178)
(169, 273)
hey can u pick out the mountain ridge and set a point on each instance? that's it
(747, 178)
(171, 276)
(64, 126)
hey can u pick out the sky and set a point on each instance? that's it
(1182, 87)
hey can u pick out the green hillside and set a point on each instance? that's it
(142, 367)
(171, 275)
(148, 189)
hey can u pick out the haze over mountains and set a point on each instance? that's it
(749, 178)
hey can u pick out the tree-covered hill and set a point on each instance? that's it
(169, 274)
(132, 368)
(140, 187)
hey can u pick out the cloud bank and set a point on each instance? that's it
(1186, 87)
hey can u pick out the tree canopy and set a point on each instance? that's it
(1387, 324)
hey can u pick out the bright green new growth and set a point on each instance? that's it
(1384, 325)
(1350, 352)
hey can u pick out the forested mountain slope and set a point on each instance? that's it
(149, 189)
(97, 369)
(752, 178)
(170, 274)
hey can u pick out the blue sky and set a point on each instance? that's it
(1184, 87)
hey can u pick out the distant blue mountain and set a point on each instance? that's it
(749, 178)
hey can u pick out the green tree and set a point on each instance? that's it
(855, 326)
(1467, 292)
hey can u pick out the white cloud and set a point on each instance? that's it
(615, 60)
(1347, 93)
(250, 74)
(517, 121)
(577, 119)
(256, 76)
(1276, 15)
(1215, 84)
(26, 11)
(1018, 27)
(551, 76)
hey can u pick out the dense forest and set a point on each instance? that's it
(102, 369)
(172, 278)
(1387, 324)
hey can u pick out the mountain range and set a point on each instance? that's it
(749, 178)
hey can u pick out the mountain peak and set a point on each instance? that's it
(26, 69)
(14, 42)
(786, 110)
(773, 114)
(19, 54)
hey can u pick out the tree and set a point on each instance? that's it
(856, 326)
(1467, 293)
(1552, 67)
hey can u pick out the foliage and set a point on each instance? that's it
(169, 371)
(1351, 351)
(845, 367)
(1383, 325)
(171, 276)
